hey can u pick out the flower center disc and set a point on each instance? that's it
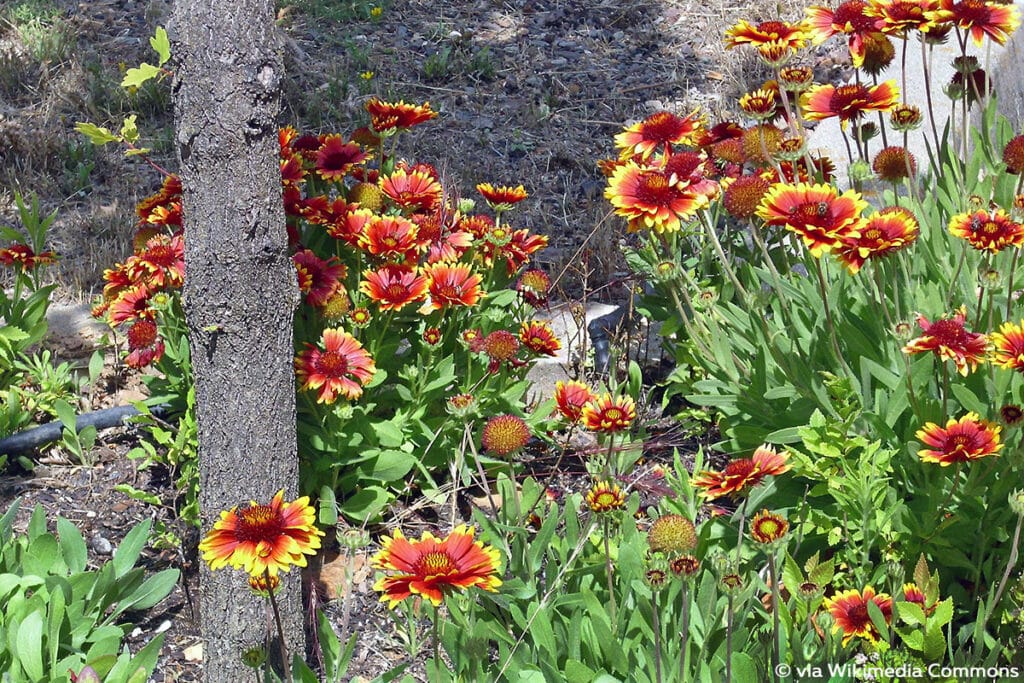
(332, 364)
(434, 564)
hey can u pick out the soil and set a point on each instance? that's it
(529, 91)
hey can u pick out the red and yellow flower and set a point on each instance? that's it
(538, 336)
(570, 397)
(767, 527)
(23, 256)
(161, 262)
(988, 230)
(319, 280)
(949, 340)
(652, 198)
(901, 16)
(850, 18)
(969, 438)
(339, 366)
(393, 287)
(743, 473)
(451, 284)
(659, 130)
(387, 118)
(605, 496)
(414, 190)
(263, 539)
(432, 567)
(1008, 346)
(391, 238)
(144, 344)
(607, 413)
(501, 197)
(849, 610)
(912, 593)
(848, 102)
(131, 304)
(882, 233)
(336, 158)
(790, 36)
(817, 213)
(980, 18)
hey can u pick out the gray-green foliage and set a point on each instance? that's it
(57, 615)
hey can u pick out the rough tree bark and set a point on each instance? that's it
(240, 295)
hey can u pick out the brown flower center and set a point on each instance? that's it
(743, 467)
(971, 12)
(848, 99)
(948, 333)
(141, 335)
(332, 364)
(858, 616)
(662, 127)
(852, 14)
(436, 564)
(258, 523)
(654, 189)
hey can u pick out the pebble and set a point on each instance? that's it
(558, 61)
(101, 545)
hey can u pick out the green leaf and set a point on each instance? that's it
(328, 504)
(29, 645)
(153, 590)
(366, 504)
(129, 130)
(72, 546)
(161, 45)
(878, 619)
(578, 671)
(131, 547)
(97, 135)
(934, 643)
(943, 613)
(744, 670)
(910, 613)
(389, 465)
(137, 76)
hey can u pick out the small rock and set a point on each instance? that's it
(164, 626)
(193, 653)
(100, 545)
(558, 61)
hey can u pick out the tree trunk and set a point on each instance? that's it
(240, 295)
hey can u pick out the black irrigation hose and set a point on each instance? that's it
(51, 431)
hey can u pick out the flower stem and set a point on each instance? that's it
(743, 519)
(437, 642)
(728, 640)
(823, 288)
(656, 625)
(684, 635)
(608, 571)
(280, 628)
(774, 578)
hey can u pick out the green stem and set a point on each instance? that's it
(773, 577)
(608, 572)
(280, 628)
(656, 625)
(728, 640)
(437, 642)
(709, 229)
(823, 288)
(684, 635)
(743, 519)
